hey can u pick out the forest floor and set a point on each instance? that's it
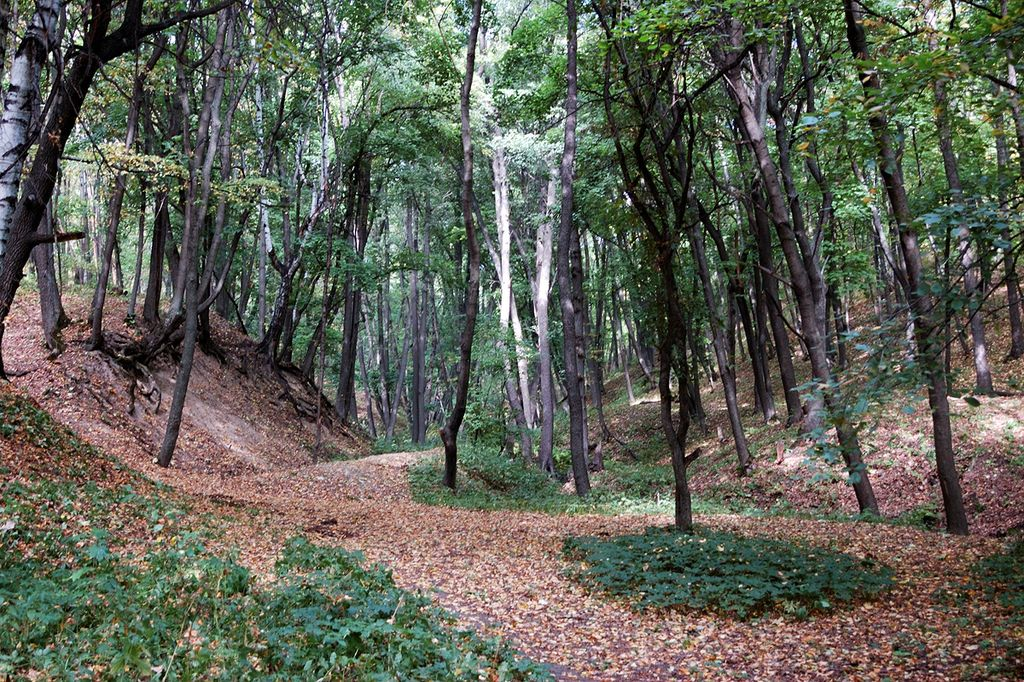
(502, 572)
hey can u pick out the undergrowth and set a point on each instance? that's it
(99, 579)
(723, 572)
(487, 480)
(1000, 577)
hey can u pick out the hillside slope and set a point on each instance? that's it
(239, 421)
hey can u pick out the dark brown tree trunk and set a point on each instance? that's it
(417, 398)
(568, 239)
(804, 271)
(927, 334)
(51, 310)
(154, 282)
(770, 292)
(718, 341)
(450, 431)
(1013, 294)
(359, 231)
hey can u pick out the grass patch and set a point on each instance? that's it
(491, 481)
(723, 573)
(99, 579)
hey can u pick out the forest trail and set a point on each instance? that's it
(501, 572)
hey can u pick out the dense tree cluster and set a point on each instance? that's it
(465, 216)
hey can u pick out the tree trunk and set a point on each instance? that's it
(1013, 294)
(417, 400)
(568, 239)
(114, 212)
(450, 432)
(718, 341)
(804, 282)
(926, 333)
(541, 298)
(154, 284)
(140, 243)
(502, 214)
(359, 231)
(968, 253)
(20, 105)
(51, 311)
(770, 292)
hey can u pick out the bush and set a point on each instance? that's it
(722, 572)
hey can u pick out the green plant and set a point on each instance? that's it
(98, 579)
(1000, 577)
(722, 572)
(924, 516)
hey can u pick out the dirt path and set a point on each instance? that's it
(501, 572)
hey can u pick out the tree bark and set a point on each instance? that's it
(450, 431)
(20, 106)
(116, 201)
(718, 341)
(541, 298)
(801, 262)
(568, 239)
(51, 310)
(359, 231)
(502, 214)
(927, 334)
(968, 253)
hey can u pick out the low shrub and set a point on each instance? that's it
(722, 572)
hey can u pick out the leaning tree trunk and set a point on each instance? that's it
(804, 282)
(70, 91)
(450, 431)
(201, 156)
(927, 334)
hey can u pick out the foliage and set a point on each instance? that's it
(490, 480)
(722, 572)
(1002, 576)
(100, 579)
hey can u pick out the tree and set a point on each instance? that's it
(450, 432)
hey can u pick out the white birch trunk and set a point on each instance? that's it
(19, 101)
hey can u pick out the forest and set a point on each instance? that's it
(508, 340)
